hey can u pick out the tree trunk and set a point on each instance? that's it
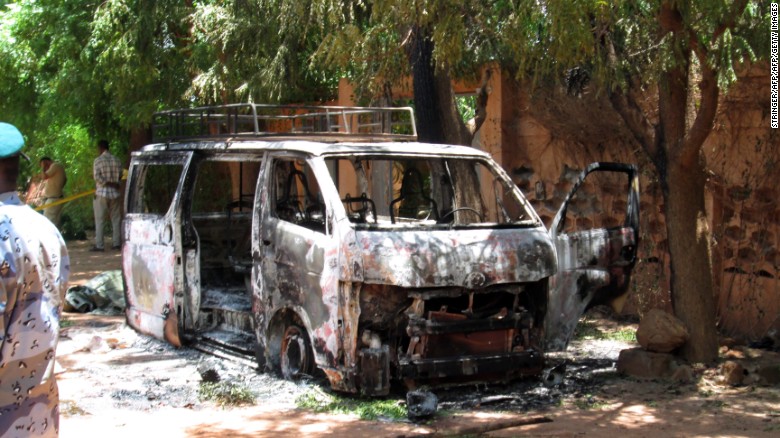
(675, 147)
(690, 258)
(453, 127)
(140, 136)
(438, 120)
(426, 102)
(682, 172)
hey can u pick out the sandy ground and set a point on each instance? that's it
(114, 382)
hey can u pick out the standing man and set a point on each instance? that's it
(54, 179)
(107, 170)
(34, 270)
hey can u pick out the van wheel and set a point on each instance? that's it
(297, 359)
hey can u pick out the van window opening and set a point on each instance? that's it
(155, 189)
(297, 195)
(426, 192)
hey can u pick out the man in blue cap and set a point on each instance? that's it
(34, 270)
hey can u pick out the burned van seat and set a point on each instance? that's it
(359, 207)
(301, 209)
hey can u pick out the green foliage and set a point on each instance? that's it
(365, 409)
(137, 53)
(109, 65)
(368, 42)
(74, 71)
(225, 393)
(622, 44)
(467, 107)
(256, 50)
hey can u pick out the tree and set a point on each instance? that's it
(381, 42)
(680, 55)
(113, 63)
(74, 71)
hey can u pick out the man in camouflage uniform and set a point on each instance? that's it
(34, 270)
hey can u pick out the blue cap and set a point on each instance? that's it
(11, 140)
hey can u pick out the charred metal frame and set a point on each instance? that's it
(367, 306)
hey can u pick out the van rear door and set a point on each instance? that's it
(595, 233)
(152, 254)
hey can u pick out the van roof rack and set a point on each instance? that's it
(260, 120)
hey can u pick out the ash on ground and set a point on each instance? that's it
(132, 371)
(586, 366)
(112, 365)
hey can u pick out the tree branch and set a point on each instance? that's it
(708, 86)
(730, 21)
(705, 116)
(628, 108)
(482, 100)
(641, 128)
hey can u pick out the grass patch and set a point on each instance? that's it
(588, 330)
(365, 409)
(625, 335)
(589, 403)
(225, 394)
(65, 323)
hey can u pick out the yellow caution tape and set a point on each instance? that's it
(72, 197)
(64, 200)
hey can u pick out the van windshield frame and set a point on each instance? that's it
(391, 191)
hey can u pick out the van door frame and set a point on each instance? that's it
(594, 266)
(152, 262)
(191, 244)
(273, 300)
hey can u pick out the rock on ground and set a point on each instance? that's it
(661, 332)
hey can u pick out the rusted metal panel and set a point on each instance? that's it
(150, 284)
(374, 366)
(468, 258)
(499, 367)
(587, 261)
(192, 297)
(151, 261)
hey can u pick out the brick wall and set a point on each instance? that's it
(558, 134)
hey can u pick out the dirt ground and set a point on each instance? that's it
(114, 382)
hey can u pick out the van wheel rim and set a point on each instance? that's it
(295, 354)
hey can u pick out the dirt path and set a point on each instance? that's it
(116, 383)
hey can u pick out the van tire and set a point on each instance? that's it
(296, 356)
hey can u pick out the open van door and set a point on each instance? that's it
(596, 252)
(152, 253)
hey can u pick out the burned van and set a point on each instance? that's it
(328, 239)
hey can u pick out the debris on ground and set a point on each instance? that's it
(421, 404)
(101, 295)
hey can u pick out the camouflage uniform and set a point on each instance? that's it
(34, 270)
